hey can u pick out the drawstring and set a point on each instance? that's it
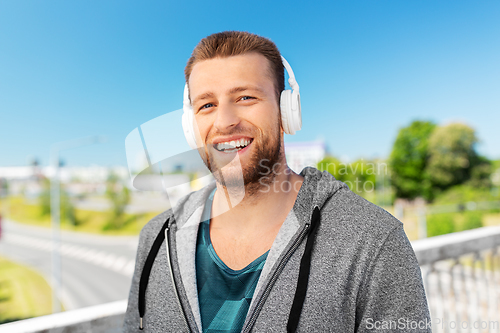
(146, 271)
(305, 268)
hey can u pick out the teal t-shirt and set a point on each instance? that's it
(224, 294)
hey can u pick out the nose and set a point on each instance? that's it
(226, 117)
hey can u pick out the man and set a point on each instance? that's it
(265, 249)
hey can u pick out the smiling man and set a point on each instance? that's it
(263, 248)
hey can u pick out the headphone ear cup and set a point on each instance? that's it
(188, 127)
(286, 111)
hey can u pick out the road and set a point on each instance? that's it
(95, 269)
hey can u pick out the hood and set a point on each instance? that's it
(317, 188)
(189, 204)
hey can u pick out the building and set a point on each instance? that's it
(302, 154)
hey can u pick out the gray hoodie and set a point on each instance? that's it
(363, 274)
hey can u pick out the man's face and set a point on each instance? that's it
(237, 113)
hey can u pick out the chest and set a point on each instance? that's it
(238, 251)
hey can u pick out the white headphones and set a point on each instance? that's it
(291, 117)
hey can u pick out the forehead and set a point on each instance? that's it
(228, 72)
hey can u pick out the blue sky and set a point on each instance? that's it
(71, 69)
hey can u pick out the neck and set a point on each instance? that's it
(257, 205)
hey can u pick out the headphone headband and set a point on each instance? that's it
(291, 77)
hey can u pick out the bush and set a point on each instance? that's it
(465, 193)
(440, 224)
(473, 220)
(364, 177)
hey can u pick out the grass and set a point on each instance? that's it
(23, 293)
(21, 211)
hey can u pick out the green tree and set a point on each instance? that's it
(119, 197)
(453, 158)
(481, 173)
(360, 175)
(408, 160)
(333, 166)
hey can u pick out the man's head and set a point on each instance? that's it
(234, 90)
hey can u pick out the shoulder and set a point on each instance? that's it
(355, 210)
(352, 220)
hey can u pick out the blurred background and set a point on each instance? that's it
(400, 100)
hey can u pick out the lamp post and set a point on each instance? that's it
(55, 210)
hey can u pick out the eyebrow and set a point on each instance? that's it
(244, 88)
(234, 90)
(206, 95)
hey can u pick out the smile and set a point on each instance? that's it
(232, 146)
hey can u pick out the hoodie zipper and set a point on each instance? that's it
(274, 277)
(173, 281)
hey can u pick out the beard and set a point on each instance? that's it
(257, 171)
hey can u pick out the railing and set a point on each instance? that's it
(461, 273)
(105, 318)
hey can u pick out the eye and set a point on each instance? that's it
(247, 98)
(206, 106)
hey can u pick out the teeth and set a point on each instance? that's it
(233, 144)
(242, 143)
